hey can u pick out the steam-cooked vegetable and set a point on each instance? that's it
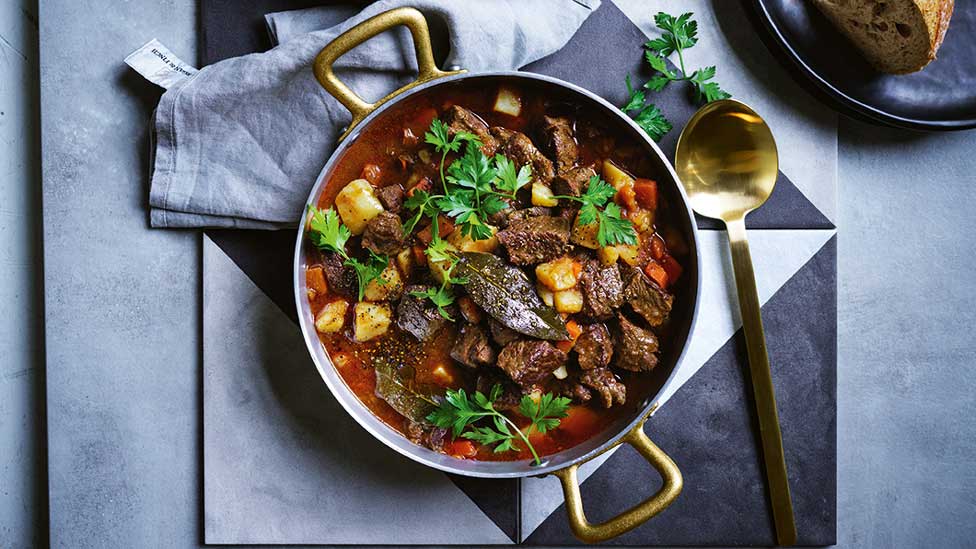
(371, 320)
(585, 234)
(543, 196)
(508, 102)
(466, 243)
(608, 255)
(568, 301)
(405, 261)
(389, 285)
(332, 317)
(558, 274)
(357, 204)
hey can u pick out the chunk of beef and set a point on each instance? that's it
(572, 388)
(530, 361)
(602, 290)
(391, 197)
(609, 390)
(459, 119)
(519, 149)
(425, 434)
(418, 315)
(508, 215)
(502, 334)
(636, 347)
(560, 142)
(594, 347)
(472, 348)
(511, 393)
(535, 239)
(384, 234)
(646, 297)
(341, 278)
(572, 182)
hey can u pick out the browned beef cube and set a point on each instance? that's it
(535, 239)
(572, 182)
(530, 361)
(573, 389)
(608, 388)
(506, 216)
(511, 393)
(342, 279)
(636, 347)
(425, 434)
(502, 334)
(418, 316)
(594, 347)
(459, 119)
(391, 197)
(520, 150)
(472, 348)
(560, 142)
(384, 234)
(602, 290)
(646, 297)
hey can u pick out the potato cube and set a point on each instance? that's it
(390, 289)
(508, 102)
(469, 244)
(558, 274)
(438, 269)
(357, 204)
(561, 372)
(642, 220)
(608, 255)
(404, 261)
(615, 176)
(332, 317)
(542, 196)
(585, 235)
(568, 301)
(628, 253)
(545, 294)
(371, 320)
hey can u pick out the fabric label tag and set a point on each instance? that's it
(160, 66)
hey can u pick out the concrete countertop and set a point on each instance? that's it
(906, 307)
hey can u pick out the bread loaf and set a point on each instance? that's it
(896, 36)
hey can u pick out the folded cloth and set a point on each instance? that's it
(240, 143)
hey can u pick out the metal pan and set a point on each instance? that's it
(627, 430)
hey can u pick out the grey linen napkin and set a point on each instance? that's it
(240, 143)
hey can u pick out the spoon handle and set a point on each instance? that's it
(762, 384)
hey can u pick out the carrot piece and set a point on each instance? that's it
(371, 173)
(444, 228)
(419, 257)
(672, 267)
(461, 449)
(574, 332)
(577, 269)
(656, 272)
(658, 249)
(423, 185)
(625, 197)
(645, 190)
(315, 280)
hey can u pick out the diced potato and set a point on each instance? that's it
(357, 204)
(542, 196)
(332, 317)
(558, 274)
(628, 253)
(616, 176)
(585, 235)
(561, 372)
(371, 320)
(568, 301)
(608, 255)
(391, 289)
(545, 294)
(642, 220)
(404, 261)
(438, 269)
(469, 244)
(508, 102)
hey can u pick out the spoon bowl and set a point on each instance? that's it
(727, 160)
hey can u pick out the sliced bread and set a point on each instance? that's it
(896, 36)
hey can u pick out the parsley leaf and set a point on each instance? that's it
(472, 171)
(441, 297)
(327, 232)
(613, 228)
(709, 91)
(369, 270)
(635, 98)
(509, 181)
(459, 412)
(420, 201)
(680, 33)
(653, 122)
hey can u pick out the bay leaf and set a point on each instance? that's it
(400, 393)
(507, 294)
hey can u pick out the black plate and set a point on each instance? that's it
(941, 97)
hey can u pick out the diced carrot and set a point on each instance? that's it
(672, 267)
(626, 198)
(658, 249)
(645, 191)
(423, 185)
(371, 173)
(444, 228)
(577, 269)
(656, 272)
(419, 257)
(315, 280)
(469, 310)
(460, 449)
(574, 332)
(579, 421)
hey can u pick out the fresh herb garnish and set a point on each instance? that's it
(459, 413)
(438, 252)
(613, 228)
(679, 34)
(441, 297)
(327, 232)
(421, 201)
(443, 143)
(509, 180)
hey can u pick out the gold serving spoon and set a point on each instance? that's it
(727, 162)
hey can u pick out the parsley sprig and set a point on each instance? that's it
(327, 232)
(442, 296)
(459, 412)
(612, 228)
(678, 34)
(443, 143)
